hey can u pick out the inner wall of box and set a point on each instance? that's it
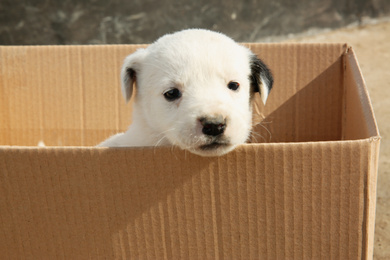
(333, 106)
(313, 113)
(69, 95)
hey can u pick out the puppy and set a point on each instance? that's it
(194, 90)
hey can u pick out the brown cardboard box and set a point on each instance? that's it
(306, 191)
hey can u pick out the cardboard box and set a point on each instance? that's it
(307, 190)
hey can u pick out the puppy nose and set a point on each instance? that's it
(213, 126)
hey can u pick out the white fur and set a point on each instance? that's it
(200, 64)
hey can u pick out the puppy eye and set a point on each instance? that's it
(172, 94)
(233, 85)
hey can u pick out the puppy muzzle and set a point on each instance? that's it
(213, 126)
(213, 129)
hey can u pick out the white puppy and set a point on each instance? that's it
(194, 90)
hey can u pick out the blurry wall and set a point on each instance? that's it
(142, 21)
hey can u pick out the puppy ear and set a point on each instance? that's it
(130, 68)
(261, 78)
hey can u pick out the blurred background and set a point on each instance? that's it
(142, 21)
(363, 24)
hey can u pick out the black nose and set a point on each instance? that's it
(213, 126)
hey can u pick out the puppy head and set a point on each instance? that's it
(194, 90)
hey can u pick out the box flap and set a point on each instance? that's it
(359, 119)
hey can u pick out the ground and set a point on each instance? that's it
(371, 43)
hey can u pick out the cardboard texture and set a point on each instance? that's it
(305, 188)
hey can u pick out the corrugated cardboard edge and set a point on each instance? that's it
(370, 204)
(352, 66)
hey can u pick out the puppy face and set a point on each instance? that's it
(194, 90)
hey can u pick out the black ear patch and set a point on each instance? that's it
(260, 75)
(131, 73)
